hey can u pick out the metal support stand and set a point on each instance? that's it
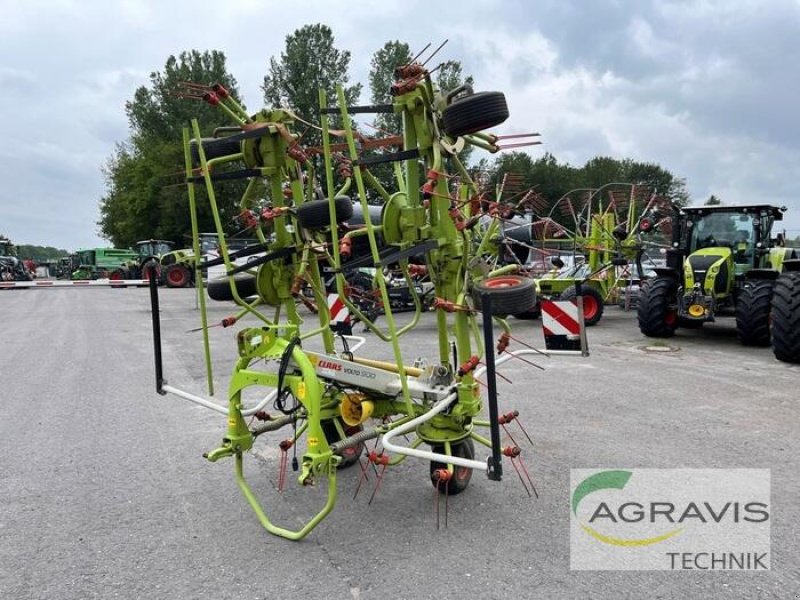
(495, 470)
(155, 310)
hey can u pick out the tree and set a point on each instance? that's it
(712, 201)
(310, 62)
(381, 77)
(139, 202)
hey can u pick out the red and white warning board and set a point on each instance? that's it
(50, 283)
(339, 314)
(563, 326)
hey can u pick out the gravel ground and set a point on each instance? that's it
(105, 493)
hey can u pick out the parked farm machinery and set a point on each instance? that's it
(11, 267)
(724, 260)
(333, 400)
(590, 236)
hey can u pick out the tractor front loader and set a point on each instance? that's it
(724, 261)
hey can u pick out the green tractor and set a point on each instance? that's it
(174, 267)
(724, 261)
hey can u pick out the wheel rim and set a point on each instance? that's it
(502, 282)
(671, 318)
(176, 277)
(590, 307)
(115, 276)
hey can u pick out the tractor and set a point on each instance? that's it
(11, 267)
(724, 261)
(173, 267)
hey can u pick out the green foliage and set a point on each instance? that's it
(310, 62)
(40, 253)
(552, 179)
(144, 195)
(381, 77)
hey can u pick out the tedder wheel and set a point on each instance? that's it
(214, 148)
(532, 313)
(316, 214)
(656, 312)
(511, 294)
(786, 317)
(592, 303)
(220, 288)
(752, 312)
(461, 475)
(349, 456)
(473, 113)
(177, 276)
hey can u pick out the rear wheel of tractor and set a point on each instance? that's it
(786, 317)
(220, 288)
(177, 276)
(510, 294)
(316, 214)
(474, 113)
(350, 455)
(657, 314)
(461, 475)
(592, 303)
(752, 312)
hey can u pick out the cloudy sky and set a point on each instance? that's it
(707, 89)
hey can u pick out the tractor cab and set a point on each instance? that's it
(722, 245)
(153, 249)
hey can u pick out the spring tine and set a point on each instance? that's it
(413, 60)
(377, 485)
(446, 497)
(521, 480)
(517, 145)
(361, 478)
(434, 53)
(525, 360)
(508, 433)
(533, 487)
(525, 432)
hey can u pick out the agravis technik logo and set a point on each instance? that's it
(673, 519)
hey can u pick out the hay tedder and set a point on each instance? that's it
(332, 400)
(591, 236)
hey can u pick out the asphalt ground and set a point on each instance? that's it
(104, 492)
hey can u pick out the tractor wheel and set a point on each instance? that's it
(177, 276)
(351, 455)
(752, 312)
(592, 303)
(656, 311)
(511, 294)
(316, 214)
(117, 275)
(532, 313)
(473, 113)
(220, 287)
(461, 475)
(786, 317)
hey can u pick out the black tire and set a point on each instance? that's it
(511, 294)
(177, 276)
(220, 289)
(461, 475)
(593, 304)
(532, 313)
(214, 148)
(349, 456)
(786, 317)
(473, 113)
(656, 312)
(752, 312)
(316, 215)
